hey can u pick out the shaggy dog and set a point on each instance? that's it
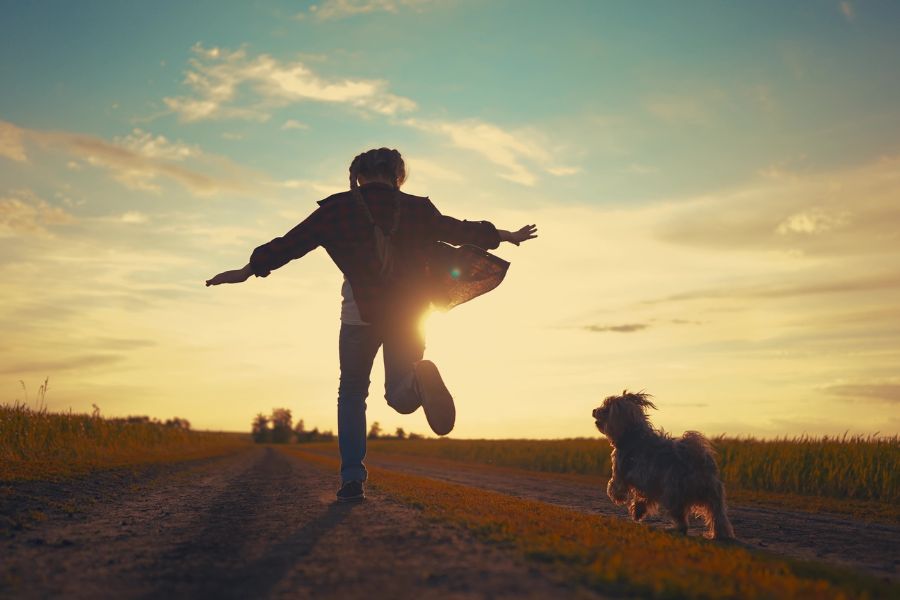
(650, 469)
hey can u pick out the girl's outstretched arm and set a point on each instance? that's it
(479, 233)
(529, 232)
(235, 276)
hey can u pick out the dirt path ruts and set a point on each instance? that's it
(257, 524)
(870, 547)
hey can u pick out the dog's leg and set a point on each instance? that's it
(679, 515)
(617, 491)
(719, 525)
(637, 508)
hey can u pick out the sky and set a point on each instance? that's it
(716, 187)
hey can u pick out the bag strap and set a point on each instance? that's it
(357, 195)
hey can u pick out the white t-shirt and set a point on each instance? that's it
(349, 309)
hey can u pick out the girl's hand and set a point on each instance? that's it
(529, 232)
(235, 276)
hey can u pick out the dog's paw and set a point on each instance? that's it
(638, 510)
(616, 492)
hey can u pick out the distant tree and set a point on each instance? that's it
(260, 431)
(400, 434)
(415, 436)
(314, 435)
(135, 419)
(281, 425)
(303, 434)
(178, 423)
(375, 431)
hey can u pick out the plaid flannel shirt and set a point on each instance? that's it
(340, 226)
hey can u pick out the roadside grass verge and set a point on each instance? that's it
(37, 444)
(848, 468)
(862, 510)
(615, 556)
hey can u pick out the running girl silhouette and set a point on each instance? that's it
(380, 239)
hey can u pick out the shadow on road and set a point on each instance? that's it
(276, 563)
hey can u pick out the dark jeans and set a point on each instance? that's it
(358, 344)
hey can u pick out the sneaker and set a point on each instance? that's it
(351, 491)
(436, 399)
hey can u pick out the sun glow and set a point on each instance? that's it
(423, 322)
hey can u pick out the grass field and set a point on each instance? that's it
(37, 444)
(612, 555)
(855, 468)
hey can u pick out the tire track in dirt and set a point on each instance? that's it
(869, 547)
(258, 524)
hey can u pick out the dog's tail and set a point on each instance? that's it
(714, 511)
(699, 451)
(703, 455)
(719, 525)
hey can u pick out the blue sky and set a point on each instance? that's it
(715, 184)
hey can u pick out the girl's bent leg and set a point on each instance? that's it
(403, 347)
(357, 346)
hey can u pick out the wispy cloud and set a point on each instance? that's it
(139, 160)
(217, 76)
(234, 84)
(564, 171)
(880, 392)
(111, 343)
(521, 154)
(12, 144)
(816, 287)
(23, 212)
(134, 217)
(844, 212)
(293, 124)
(848, 10)
(156, 146)
(812, 221)
(421, 168)
(626, 328)
(42, 367)
(341, 9)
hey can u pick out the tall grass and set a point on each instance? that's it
(37, 444)
(860, 468)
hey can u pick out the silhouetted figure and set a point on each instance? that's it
(385, 242)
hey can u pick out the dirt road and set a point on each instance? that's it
(257, 524)
(263, 524)
(868, 547)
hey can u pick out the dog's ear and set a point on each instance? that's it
(640, 399)
(620, 417)
(626, 412)
(613, 430)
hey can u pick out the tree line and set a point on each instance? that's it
(278, 428)
(174, 423)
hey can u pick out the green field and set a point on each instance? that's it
(37, 444)
(856, 468)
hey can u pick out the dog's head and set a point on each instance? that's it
(620, 414)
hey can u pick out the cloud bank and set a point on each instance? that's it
(217, 77)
